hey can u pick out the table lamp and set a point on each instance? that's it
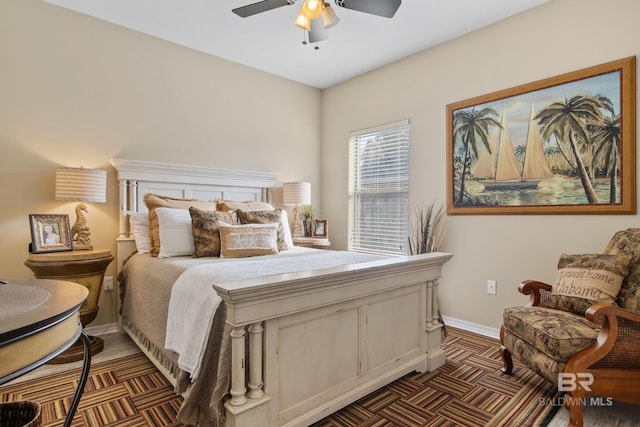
(81, 185)
(294, 194)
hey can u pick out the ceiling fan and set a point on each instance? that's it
(313, 9)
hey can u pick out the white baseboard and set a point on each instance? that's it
(109, 328)
(472, 327)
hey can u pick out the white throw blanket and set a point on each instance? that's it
(192, 305)
(194, 302)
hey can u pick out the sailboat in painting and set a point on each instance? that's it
(499, 169)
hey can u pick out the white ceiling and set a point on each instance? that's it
(271, 42)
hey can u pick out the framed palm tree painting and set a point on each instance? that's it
(563, 145)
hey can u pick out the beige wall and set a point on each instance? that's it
(76, 91)
(555, 38)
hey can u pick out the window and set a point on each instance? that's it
(379, 189)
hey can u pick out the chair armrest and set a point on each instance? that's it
(616, 345)
(534, 289)
(598, 313)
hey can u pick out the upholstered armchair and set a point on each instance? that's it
(585, 327)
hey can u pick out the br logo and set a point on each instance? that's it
(570, 381)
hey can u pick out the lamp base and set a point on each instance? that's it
(297, 224)
(80, 233)
(82, 247)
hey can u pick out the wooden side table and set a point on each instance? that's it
(84, 267)
(312, 242)
(39, 319)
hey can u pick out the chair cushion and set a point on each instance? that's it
(557, 333)
(628, 242)
(587, 279)
(534, 359)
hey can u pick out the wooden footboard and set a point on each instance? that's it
(321, 340)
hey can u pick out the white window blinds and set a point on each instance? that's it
(379, 189)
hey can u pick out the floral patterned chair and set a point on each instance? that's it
(585, 327)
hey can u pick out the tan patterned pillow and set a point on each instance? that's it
(627, 242)
(153, 201)
(239, 241)
(273, 216)
(250, 205)
(587, 279)
(206, 232)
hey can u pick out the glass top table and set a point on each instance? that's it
(39, 319)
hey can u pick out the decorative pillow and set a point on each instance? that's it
(206, 232)
(627, 242)
(587, 279)
(176, 238)
(139, 226)
(153, 201)
(250, 205)
(239, 241)
(265, 217)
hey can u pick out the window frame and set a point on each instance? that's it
(387, 192)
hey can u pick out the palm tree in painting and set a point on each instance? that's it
(520, 152)
(471, 127)
(567, 120)
(607, 141)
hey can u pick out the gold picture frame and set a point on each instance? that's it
(562, 145)
(50, 233)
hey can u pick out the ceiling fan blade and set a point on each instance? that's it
(259, 7)
(317, 32)
(384, 8)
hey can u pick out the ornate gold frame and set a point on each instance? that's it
(621, 77)
(60, 225)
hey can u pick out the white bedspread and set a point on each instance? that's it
(193, 300)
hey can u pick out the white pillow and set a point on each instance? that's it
(176, 235)
(288, 239)
(139, 226)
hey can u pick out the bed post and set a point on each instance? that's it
(436, 355)
(255, 361)
(122, 209)
(238, 389)
(246, 409)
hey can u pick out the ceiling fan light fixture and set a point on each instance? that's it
(303, 21)
(329, 17)
(312, 9)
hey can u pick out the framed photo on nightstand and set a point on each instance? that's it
(320, 229)
(50, 233)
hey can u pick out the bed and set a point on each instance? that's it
(286, 347)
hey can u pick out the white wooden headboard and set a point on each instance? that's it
(137, 177)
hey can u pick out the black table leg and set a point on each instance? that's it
(86, 365)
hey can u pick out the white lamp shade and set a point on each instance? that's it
(296, 193)
(329, 18)
(80, 184)
(303, 22)
(312, 9)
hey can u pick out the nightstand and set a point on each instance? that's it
(84, 267)
(312, 242)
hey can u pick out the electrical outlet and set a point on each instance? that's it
(107, 283)
(492, 287)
